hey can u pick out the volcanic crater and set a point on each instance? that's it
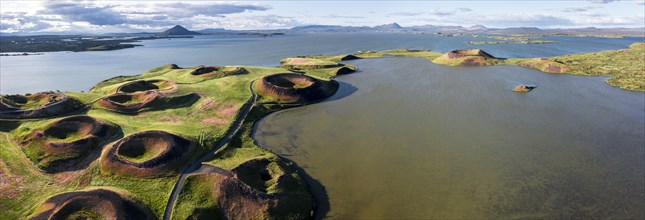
(92, 204)
(148, 154)
(296, 88)
(67, 144)
(38, 105)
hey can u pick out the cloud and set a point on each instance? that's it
(404, 13)
(499, 20)
(11, 22)
(608, 21)
(343, 16)
(436, 12)
(516, 20)
(439, 12)
(603, 1)
(216, 10)
(77, 11)
(241, 22)
(109, 16)
(578, 9)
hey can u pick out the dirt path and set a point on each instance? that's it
(196, 167)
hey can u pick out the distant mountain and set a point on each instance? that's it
(328, 28)
(519, 30)
(386, 27)
(178, 30)
(213, 30)
(476, 29)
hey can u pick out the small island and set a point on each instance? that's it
(516, 39)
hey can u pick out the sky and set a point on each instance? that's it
(81, 16)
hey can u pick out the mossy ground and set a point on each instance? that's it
(625, 67)
(398, 53)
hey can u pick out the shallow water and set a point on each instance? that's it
(69, 71)
(405, 138)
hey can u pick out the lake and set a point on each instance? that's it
(408, 139)
(70, 71)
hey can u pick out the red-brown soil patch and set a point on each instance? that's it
(9, 182)
(91, 204)
(227, 110)
(554, 69)
(545, 65)
(67, 144)
(38, 105)
(216, 121)
(147, 154)
(296, 88)
(469, 53)
(207, 104)
(172, 119)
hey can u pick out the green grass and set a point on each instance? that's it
(625, 67)
(196, 194)
(513, 42)
(512, 38)
(399, 53)
(300, 63)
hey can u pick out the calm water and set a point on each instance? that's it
(407, 139)
(68, 71)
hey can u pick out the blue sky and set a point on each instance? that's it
(126, 16)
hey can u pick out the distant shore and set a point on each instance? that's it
(35, 45)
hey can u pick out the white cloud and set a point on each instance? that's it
(608, 21)
(58, 16)
(603, 1)
(11, 22)
(578, 9)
